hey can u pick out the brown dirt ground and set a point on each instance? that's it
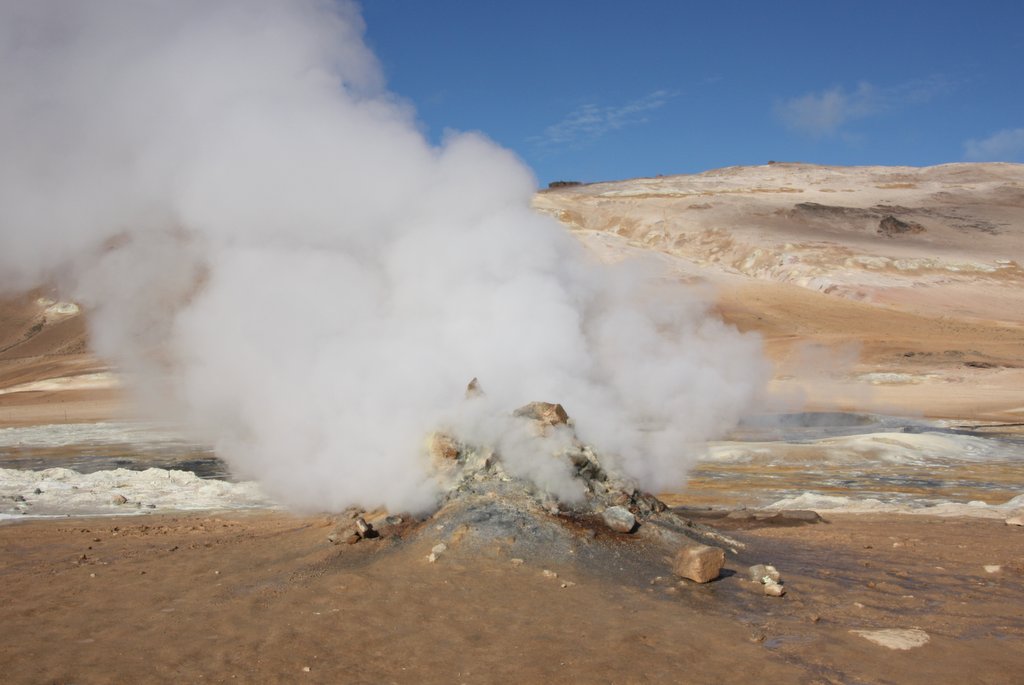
(258, 598)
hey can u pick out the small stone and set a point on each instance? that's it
(619, 519)
(439, 548)
(305, 669)
(18, 498)
(993, 568)
(353, 538)
(773, 589)
(762, 573)
(516, 562)
(37, 491)
(1015, 521)
(548, 574)
(473, 389)
(151, 506)
(699, 563)
(362, 526)
(118, 499)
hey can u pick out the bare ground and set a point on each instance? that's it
(261, 597)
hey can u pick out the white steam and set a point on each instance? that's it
(268, 245)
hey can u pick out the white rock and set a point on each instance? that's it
(764, 573)
(619, 519)
(895, 638)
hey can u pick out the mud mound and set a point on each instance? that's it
(614, 530)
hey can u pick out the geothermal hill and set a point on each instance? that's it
(887, 288)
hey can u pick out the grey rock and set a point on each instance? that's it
(762, 573)
(619, 519)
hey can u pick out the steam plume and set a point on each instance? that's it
(268, 246)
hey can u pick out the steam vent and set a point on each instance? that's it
(614, 529)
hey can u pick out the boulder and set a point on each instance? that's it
(619, 519)
(699, 563)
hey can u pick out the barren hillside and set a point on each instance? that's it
(875, 287)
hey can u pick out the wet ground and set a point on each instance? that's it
(839, 458)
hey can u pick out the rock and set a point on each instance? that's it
(443, 447)
(804, 515)
(474, 389)
(762, 573)
(439, 548)
(619, 519)
(516, 562)
(544, 412)
(353, 538)
(548, 574)
(773, 589)
(37, 491)
(895, 638)
(1015, 521)
(18, 498)
(993, 568)
(890, 226)
(699, 563)
(364, 529)
(118, 499)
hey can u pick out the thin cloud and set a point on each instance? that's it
(824, 114)
(1003, 146)
(592, 121)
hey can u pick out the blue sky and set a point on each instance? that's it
(606, 90)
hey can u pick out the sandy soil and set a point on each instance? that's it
(261, 598)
